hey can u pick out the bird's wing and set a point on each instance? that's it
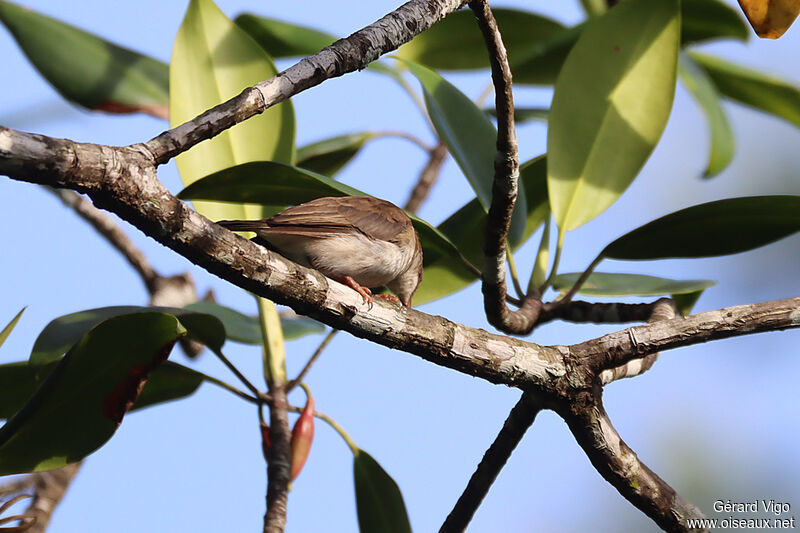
(373, 217)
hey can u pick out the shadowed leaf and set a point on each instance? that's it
(86, 69)
(608, 284)
(283, 39)
(715, 228)
(10, 326)
(247, 329)
(329, 156)
(82, 401)
(379, 502)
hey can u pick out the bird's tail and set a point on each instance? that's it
(243, 225)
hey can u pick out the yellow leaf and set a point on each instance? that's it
(770, 18)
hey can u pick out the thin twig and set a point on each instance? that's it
(427, 178)
(313, 359)
(519, 420)
(246, 382)
(404, 135)
(278, 463)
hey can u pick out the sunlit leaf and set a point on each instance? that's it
(10, 326)
(214, 60)
(86, 69)
(247, 329)
(379, 502)
(329, 156)
(465, 228)
(456, 43)
(63, 332)
(541, 65)
(770, 18)
(752, 88)
(723, 144)
(469, 135)
(715, 228)
(611, 104)
(283, 39)
(82, 401)
(611, 284)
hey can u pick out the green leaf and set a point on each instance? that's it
(723, 144)
(379, 502)
(10, 326)
(329, 156)
(470, 136)
(750, 87)
(86, 69)
(686, 302)
(715, 228)
(611, 104)
(541, 65)
(81, 403)
(271, 183)
(607, 284)
(247, 329)
(214, 60)
(456, 43)
(465, 228)
(63, 332)
(703, 20)
(283, 39)
(18, 382)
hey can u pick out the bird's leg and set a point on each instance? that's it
(390, 297)
(363, 291)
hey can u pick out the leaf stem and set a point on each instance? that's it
(252, 388)
(328, 338)
(512, 269)
(556, 261)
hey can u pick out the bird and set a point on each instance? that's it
(361, 241)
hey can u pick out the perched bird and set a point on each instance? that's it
(360, 241)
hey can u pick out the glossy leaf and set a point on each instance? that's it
(770, 18)
(272, 183)
(18, 382)
(752, 88)
(86, 69)
(283, 39)
(470, 137)
(715, 228)
(465, 228)
(456, 43)
(608, 284)
(723, 144)
(329, 156)
(686, 302)
(702, 20)
(214, 60)
(81, 403)
(379, 502)
(63, 332)
(611, 104)
(247, 330)
(10, 326)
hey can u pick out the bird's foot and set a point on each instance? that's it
(389, 297)
(365, 293)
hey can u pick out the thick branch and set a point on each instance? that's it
(504, 188)
(519, 420)
(620, 466)
(618, 348)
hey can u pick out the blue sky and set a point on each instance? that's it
(719, 421)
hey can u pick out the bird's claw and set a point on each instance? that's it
(365, 293)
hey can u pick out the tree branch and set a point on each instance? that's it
(278, 462)
(519, 420)
(427, 178)
(620, 466)
(504, 189)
